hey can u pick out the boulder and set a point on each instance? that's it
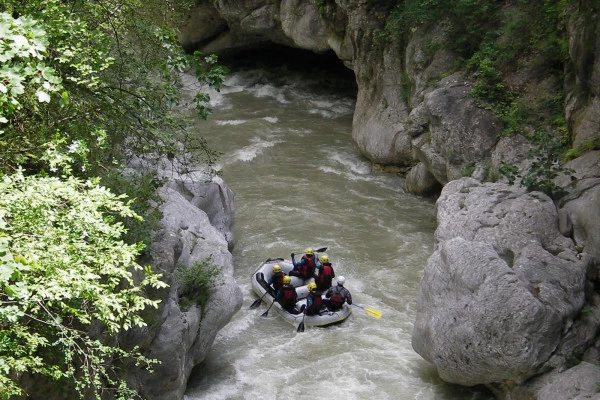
(420, 181)
(577, 383)
(580, 209)
(501, 288)
(476, 321)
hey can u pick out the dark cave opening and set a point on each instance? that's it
(274, 57)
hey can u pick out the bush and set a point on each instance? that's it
(63, 266)
(588, 145)
(196, 280)
(546, 154)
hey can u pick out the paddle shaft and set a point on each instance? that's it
(301, 325)
(257, 302)
(267, 312)
(322, 249)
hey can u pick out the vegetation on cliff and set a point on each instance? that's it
(496, 41)
(84, 88)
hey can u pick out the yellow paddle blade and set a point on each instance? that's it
(373, 313)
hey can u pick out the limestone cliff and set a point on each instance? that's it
(506, 254)
(197, 225)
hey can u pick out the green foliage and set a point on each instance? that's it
(469, 20)
(119, 73)
(195, 281)
(144, 204)
(468, 169)
(489, 86)
(510, 171)
(526, 29)
(588, 145)
(63, 266)
(546, 154)
(587, 311)
(574, 359)
(86, 88)
(21, 50)
(490, 39)
(322, 6)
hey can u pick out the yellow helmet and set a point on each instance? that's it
(324, 258)
(309, 251)
(287, 280)
(276, 268)
(312, 286)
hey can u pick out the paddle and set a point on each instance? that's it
(301, 324)
(321, 250)
(256, 302)
(267, 312)
(371, 311)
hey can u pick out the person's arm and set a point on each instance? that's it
(348, 297)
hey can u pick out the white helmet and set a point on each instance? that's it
(341, 280)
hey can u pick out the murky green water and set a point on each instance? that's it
(299, 181)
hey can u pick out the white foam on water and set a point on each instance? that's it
(350, 163)
(225, 90)
(266, 90)
(233, 122)
(348, 175)
(331, 108)
(271, 119)
(253, 150)
(323, 113)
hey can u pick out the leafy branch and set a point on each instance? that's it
(62, 268)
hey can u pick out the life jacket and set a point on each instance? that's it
(316, 303)
(336, 300)
(307, 270)
(288, 296)
(278, 280)
(325, 277)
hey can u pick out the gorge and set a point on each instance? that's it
(508, 298)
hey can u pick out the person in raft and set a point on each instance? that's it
(326, 274)
(313, 300)
(337, 295)
(287, 296)
(276, 280)
(305, 268)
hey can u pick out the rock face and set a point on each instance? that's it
(501, 288)
(458, 132)
(197, 225)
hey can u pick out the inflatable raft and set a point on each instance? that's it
(260, 278)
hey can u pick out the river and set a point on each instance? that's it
(285, 132)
